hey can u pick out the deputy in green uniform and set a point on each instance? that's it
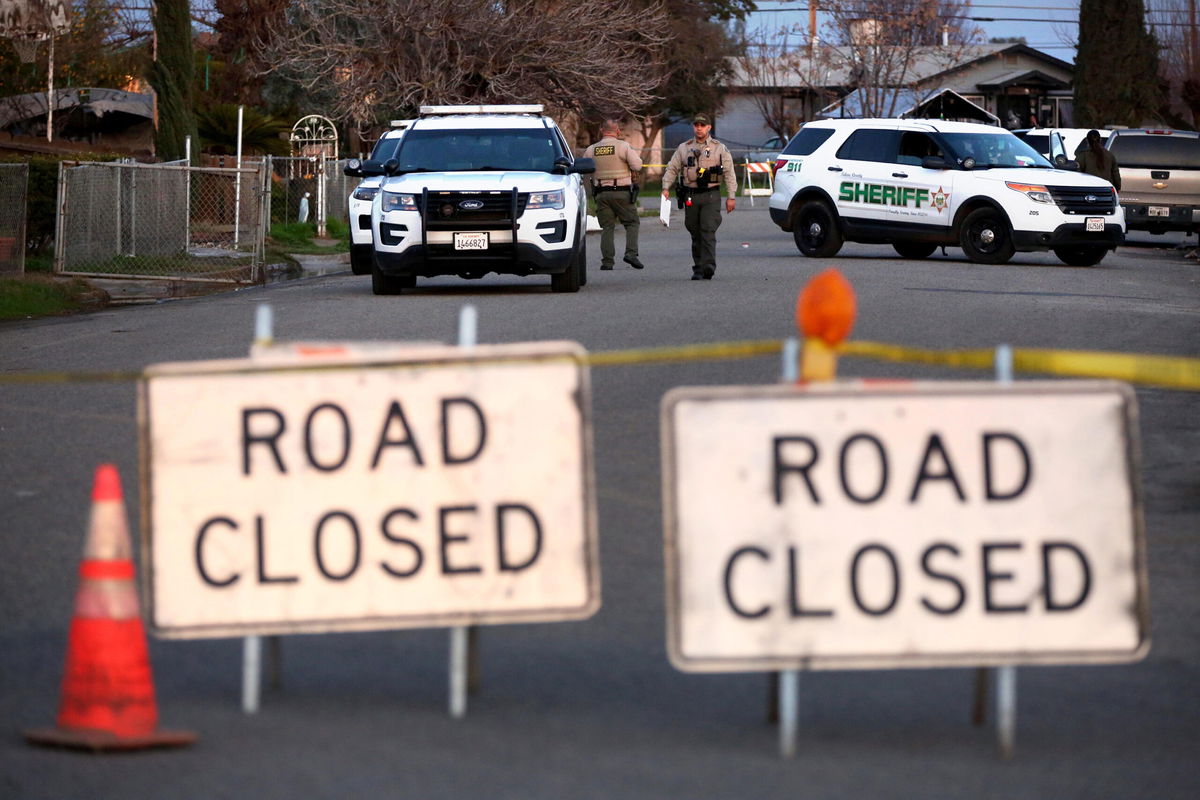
(614, 187)
(703, 164)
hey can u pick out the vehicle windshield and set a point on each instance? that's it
(385, 149)
(525, 149)
(1000, 149)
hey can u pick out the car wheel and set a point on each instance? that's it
(360, 262)
(582, 260)
(914, 249)
(567, 281)
(816, 231)
(388, 284)
(1081, 255)
(985, 237)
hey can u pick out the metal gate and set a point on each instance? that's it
(157, 221)
(314, 140)
(14, 183)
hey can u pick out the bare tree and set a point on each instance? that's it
(1175, 26)
(889, 45)
(787, 79)
(375, 59)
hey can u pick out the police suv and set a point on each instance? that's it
(479, 189)
(921, 184)
(359, 202)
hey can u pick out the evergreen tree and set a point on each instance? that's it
(171, 75)
(1116, 66)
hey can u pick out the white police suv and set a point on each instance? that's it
(921, 184)
(479, 189)
(359, 202)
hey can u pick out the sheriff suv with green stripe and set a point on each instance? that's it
(922, 184)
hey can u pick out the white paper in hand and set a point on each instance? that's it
(664, 210)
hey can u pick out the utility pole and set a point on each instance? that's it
(812, 28)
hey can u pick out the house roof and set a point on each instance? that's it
(886, 103)
(831, 66)
(92, 100)
(1024, 77)
(945, 103)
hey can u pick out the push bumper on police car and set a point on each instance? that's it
(471, 233)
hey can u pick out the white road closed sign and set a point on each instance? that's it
(890, 525)
(354, 488)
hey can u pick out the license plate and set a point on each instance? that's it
(1095, 224)
(1159, 211)
(471, 241)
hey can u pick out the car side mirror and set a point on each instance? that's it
(934, 162)
(1062, 162)
(353, 168)
(391, 167)
(369, 169)
(583, 166)
(562, 165)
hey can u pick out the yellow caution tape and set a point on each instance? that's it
(1171, 372)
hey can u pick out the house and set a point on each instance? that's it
(1008, 82)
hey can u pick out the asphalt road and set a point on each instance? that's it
(593, 709)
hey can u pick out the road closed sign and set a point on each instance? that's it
(854, 525)
(358, 487)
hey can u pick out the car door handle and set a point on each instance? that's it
(834, 169)
(899, 174)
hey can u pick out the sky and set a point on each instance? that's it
(1045, 24)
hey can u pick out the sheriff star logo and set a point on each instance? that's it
(939, 200)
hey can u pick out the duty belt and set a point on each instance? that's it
(610, 188)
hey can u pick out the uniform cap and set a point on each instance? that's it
(701, 119)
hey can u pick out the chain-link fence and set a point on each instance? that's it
(296, 180)
(14, 183)
(152, 220)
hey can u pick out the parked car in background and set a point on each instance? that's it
(1044, 140)
(921, 184)
(1160, 178)
(359, 202)
(767, 152)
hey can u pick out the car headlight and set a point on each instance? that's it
(546, 200)
(1038, 194)
(399, 202)
(365, 193)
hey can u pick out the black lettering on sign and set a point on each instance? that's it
(447, 539)
(946, 474)
(469, 409)
(204, 574)
(1053, 604)
(988, 481)
(780, 467)
(310, 451)
(507, 509)
(942, 576)
(259, 436)
(356, 545)
(260, 539)
(854, 579)
(733, 606)
(797, 607)
(418, 556)
(396, 414)
(881, 454)
(605, 150)
(990, 577)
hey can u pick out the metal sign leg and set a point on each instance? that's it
(789, 711)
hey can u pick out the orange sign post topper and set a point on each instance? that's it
(825, 312)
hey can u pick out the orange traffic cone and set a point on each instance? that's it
(108, 691)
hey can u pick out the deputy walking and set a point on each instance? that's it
(614, 187)
(702, 164)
